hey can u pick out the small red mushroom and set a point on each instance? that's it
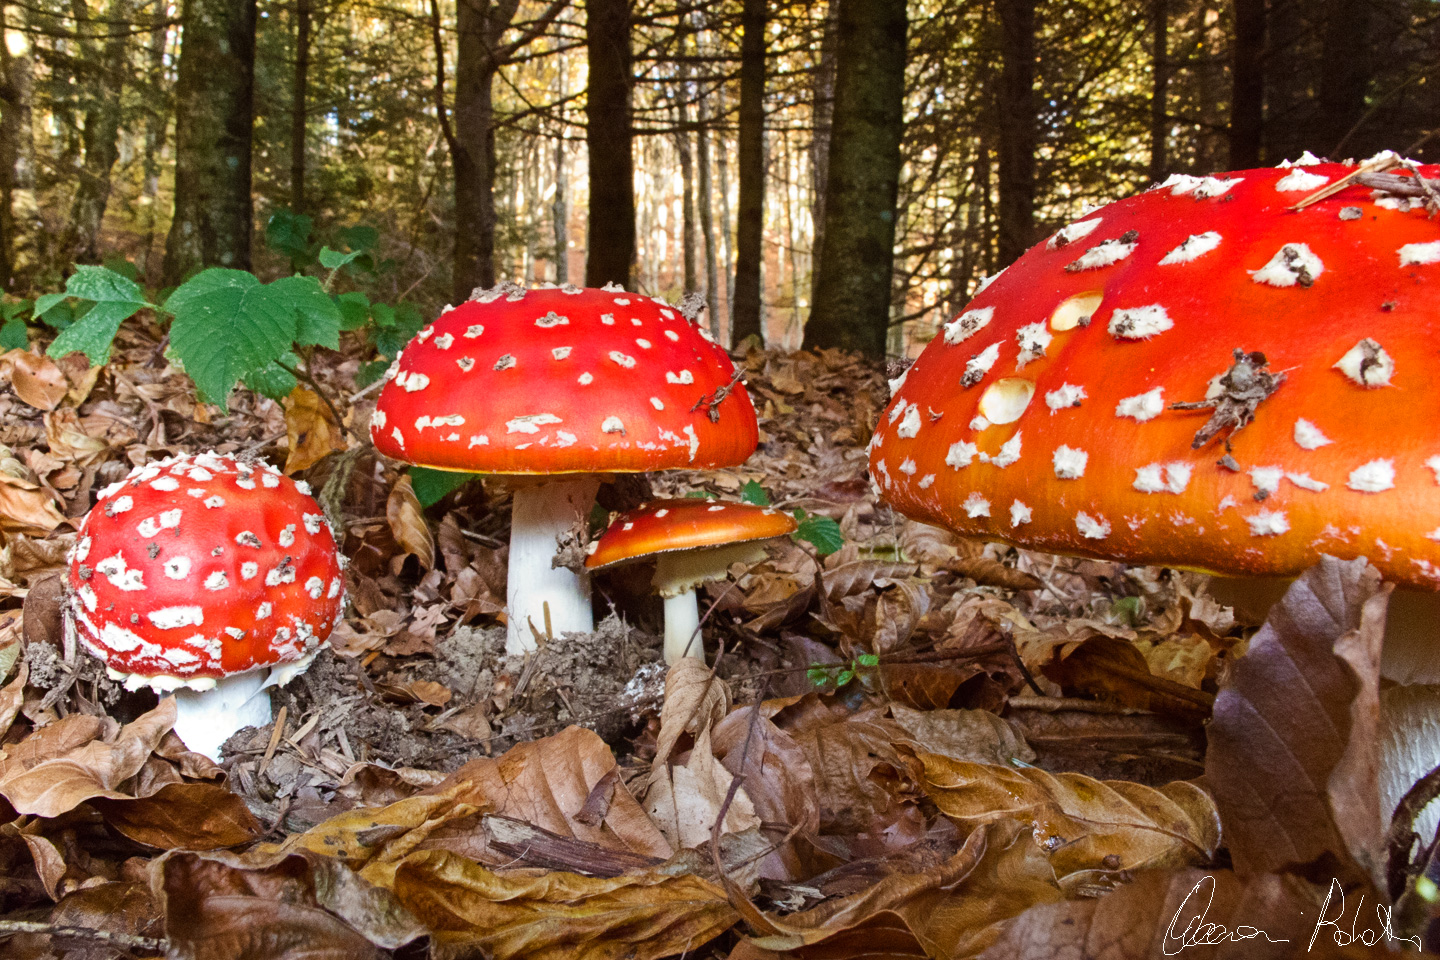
(554, 386)
(196, 573)
(1208, 375)
(693, 542)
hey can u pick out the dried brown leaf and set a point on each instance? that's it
(407, 523)
(81, 771)
(695, 700)
(25, 508)
(992, 573)
(195, 816)
(1081, 823)
(473, 911)
(1293, 743)
(310, 431)
(36, 378)
(68, 440)
(974, 735)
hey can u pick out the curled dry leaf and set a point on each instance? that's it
(950, 911)
(25, 508)
(685, 799)
(407, 523)
(1293, 745)
(193, 816)
(310, 431)
(12, 695)
(36, 378)
(471, 910)
(977, 736)
(1081, 823)
(695, 700)
(76, 765)
(68, 440)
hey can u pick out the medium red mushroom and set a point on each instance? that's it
(693, 541)
(195, 574)
(556, 386)
(1202, 376)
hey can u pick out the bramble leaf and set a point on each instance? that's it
(116, 299)
(13, 335)
(273, 380)
(430, 486)
(334, 259)
(820, 532)
(752, 492)
(354, 309)
(319, 317)
(227, 325)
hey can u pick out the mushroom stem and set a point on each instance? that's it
(205, 719)
(542, 515)
(682, 628)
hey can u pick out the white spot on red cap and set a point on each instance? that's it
(1193, 246)
(1268, 523)
(961, 454)
(1373, 477)
(662, 512)
(552, 319)
(684, 376)
(1103, 254)
(1308, 436)
(249, 570)
(314, 587)
(263, 611)
(612, 425)
(1294, 263)
(673, 336)
(1009, 453)
(976, 506)
(908, 467)
(466, 364)
(1300, 181)
(625, 361)
(173, 618)
(1064, 396)
(1367, 364)
(560, 353)
(473, 331)
(1163, 477)
(165, 484)
(477, 440)
(585, 379)
(177, 568)
(412, 382)
(1019, 513)
(1069, 462)
(287, 536)
(1305, 482)
(657, 403)
(445, 341)
(506, 362)
(968, 324)
(1092, 528)
(910, 425)
(531, 423)
(1139, 323)
(643, 343)
(1069, 234)
(217, 580)
(1142, 406)
(1420, 254)
(979, 365)
(119, 505)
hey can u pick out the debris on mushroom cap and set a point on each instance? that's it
(662, 526)
(199, 567)
(1252, 386)
(558, 380)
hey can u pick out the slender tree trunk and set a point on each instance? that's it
(856, 264)
(726, 234)
(81, 241)
(157, 117)
(707, 219)
(1346, 67)
(480, 24)
(750, 227)
(1159, 87)
(1247, 84)
(687, 184)
(611, 232)
(299, 96)
(9, 146)
(214, 116)
(24, 227)
(560, 212)
(823, 94)
(1017, 116)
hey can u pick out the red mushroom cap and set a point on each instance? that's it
(204, 566)
(662, 526)
(562, 380)
(1046, 414)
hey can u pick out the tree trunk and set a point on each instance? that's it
(560, 211)
(750, 227)
(81, 241)
(856, 263)
(480, 24)
(24, 229)
(299, 95)
(1159, 87)
(610, 255)
(214, 116)
(706, 202)
(1346, 68)
(687, 181)
(1247, 84)
(727, 237)
(823, 95)
(1017, 116)
(156, 120)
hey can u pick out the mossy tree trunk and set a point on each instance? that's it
(857, 253)
(745, 309)
(214, 116)
(81, 240)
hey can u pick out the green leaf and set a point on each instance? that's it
(370, 372)
(288, 234)
(868, 660)
(360, 238)
(226, 326)
(11, 311)
(273, 380)
(52, 310)
(116, 263)
(395, 327)
(116, 298)
(14, 335)
(845, 677)
(820, 675)
(820, 532)
(432, 485)
(752, 492)
(319, 317)
(700, 495)
(354, 310)
(334, 259)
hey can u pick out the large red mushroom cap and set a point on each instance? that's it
(563, 380)
(199, 567)
(1197, 376)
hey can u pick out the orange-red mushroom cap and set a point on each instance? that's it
(563, 380)
(202, 567)
(1084, 401)
(663, 526)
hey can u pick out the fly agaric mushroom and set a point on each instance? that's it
(557, 385)
(693, 542)
(194, 574)
(1200, 376)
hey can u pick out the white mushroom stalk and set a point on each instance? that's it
(205, 719)
(677, 574)
(543, 514)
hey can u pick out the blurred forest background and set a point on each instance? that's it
(699, 145)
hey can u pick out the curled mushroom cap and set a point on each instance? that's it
(666, 526)
(199, 567)
(1196, 376)
(563, 380)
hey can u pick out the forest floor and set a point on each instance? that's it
(915, 745)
